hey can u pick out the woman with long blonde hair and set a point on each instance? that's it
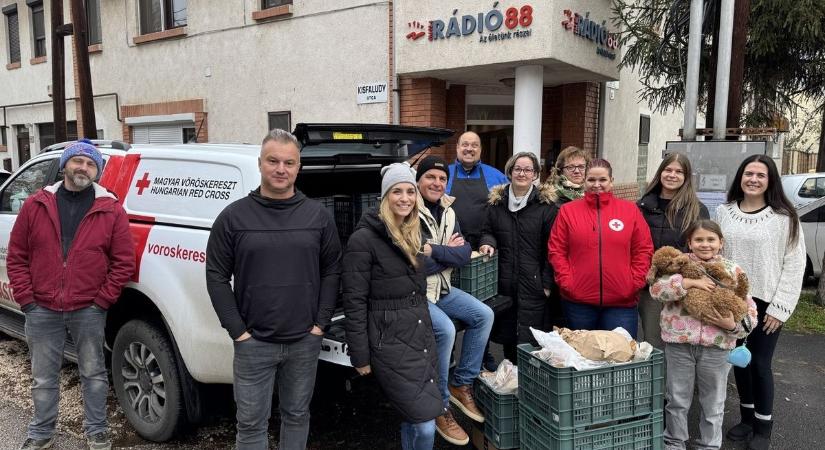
(389, 330)
(670, 206)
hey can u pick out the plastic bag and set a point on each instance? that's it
(504, 380)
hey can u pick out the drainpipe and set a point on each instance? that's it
(602, 108)
(720, 106)
(693, 63)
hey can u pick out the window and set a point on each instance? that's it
(644, 129)
(644, 139)
(159, 15)
(281, 119)
(812, 188)
(38, 28)
(93, 32)
(13, 27)
(25, 184)
(46, 132)
(273, 3)
(3, 136)
(189, 135)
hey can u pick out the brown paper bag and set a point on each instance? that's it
(599, 345)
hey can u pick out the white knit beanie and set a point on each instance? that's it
(394, 174)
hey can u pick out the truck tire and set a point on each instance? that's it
(145, 377)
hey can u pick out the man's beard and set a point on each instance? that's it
(81, 181)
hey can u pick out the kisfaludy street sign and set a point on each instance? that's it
(372, 93)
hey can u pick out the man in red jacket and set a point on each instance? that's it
(70, 254)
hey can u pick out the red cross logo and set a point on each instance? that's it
(143, 183)
(616, 225)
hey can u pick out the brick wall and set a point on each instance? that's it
(627, 191)
(456, 117)
(423, 103)
(195, 106)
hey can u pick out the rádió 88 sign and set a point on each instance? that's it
(518, 16)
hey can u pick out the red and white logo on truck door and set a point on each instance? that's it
(143, 183)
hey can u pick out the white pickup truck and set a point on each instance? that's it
(164, 337)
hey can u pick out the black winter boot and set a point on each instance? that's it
(761, 435)
(742, 431)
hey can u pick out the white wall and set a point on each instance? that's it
(308, 64)
(621, 129)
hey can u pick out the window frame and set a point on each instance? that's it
(271, 114)
(266, 4)
(10, 12)
(50, 174)
(644, 129)
(93, 22)
(36, 9)
(166, 16)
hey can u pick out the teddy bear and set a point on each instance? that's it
(729, 296)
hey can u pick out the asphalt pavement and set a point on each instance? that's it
(361, 417)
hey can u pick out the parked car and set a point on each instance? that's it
(812, 218)
(804, 188)
(163, 334)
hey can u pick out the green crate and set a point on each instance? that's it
(500, 415)
(643, 433)
(478, 278)
(570, 398)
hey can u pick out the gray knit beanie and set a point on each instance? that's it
(394, 174)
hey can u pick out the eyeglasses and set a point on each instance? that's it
(523, 170)
(575, 168)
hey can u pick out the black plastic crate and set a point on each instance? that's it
(361, 203)
(569, 398)
(500, 415)
(340, 206)
(641, 433)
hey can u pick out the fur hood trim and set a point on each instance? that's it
(545, 192)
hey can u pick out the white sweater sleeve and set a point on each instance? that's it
(790, 281)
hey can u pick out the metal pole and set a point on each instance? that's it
(693, 63)
(723, 70)
(58, 73)
(83, 71)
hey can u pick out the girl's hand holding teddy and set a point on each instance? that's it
(726, 322)
(703, 283)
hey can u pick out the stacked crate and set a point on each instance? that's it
(478, 278)
(614, 407)
(500, 415)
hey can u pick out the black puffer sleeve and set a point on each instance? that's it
(357, 268)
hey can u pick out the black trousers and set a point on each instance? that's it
(755, 382)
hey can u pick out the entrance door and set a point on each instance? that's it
(491, 117)
(496, 142)
(23, 149)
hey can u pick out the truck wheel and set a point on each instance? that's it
(145, 378)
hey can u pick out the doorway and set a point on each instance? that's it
(23, 144)
(491, 117)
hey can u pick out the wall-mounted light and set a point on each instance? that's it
(509, 82)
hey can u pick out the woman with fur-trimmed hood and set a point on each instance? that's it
(519, 218)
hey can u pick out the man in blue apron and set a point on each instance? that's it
(470, 182)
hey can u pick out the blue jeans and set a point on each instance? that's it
(45, 335)
(478, 318)
(257, 366)
(418, 436)
(589, 317)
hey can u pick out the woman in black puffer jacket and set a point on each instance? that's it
(520, 216)
(388, 326)
(669, 206)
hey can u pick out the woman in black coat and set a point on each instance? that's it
(669, 206)
(519, 218)
(388, 326)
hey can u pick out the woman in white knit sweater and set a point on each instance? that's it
(764, 237)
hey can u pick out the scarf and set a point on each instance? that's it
(517, 203)
(568, 189)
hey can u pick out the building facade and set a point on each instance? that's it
(525, 76)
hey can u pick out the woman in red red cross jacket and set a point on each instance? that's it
(600, 249)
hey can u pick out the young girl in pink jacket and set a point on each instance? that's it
(695, 351)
